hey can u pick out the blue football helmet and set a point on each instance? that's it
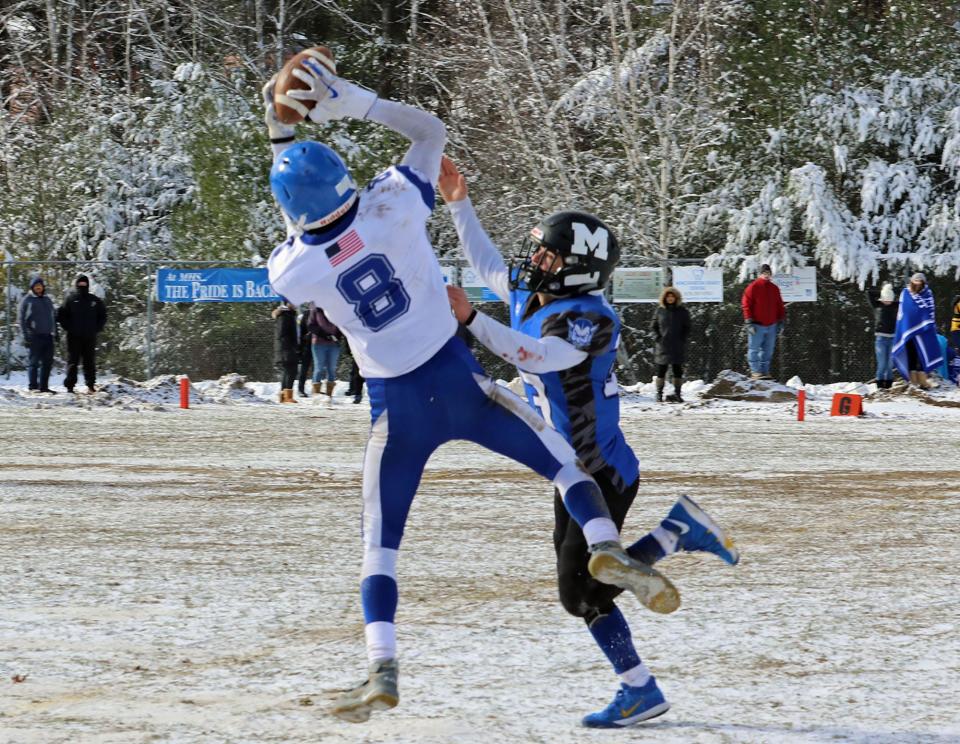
(312, 184)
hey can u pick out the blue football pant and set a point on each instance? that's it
(447, 398)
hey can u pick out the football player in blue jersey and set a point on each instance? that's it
(563, 339)
(364, 256)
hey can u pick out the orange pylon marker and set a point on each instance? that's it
(801, 404)
(184, 392)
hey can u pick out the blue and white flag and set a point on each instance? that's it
(915, 324)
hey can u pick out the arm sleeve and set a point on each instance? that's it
(101, 315)
(782, 309)
(745, 302)
(686, 323)
(427, 134)
(63, 315)
(480, 250)
(530, 354)
(655, 326)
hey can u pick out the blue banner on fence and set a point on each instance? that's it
(214, 285)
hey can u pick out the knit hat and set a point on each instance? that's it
(918, 277)
(83, 279)
(765, 269)
(886, 293)
(37, 280)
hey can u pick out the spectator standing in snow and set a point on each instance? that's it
(885, 309)
(916, 349)
(325, 346)
(38, 324)
(671, 329)
(286, 347)
(356, 383)
(83, 316)
(763, 314)
(305, 352)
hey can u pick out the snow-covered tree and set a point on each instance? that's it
(879, 189)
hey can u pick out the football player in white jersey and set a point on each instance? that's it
(364, 256)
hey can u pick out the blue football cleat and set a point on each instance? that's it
(698, 531)
(630, 705)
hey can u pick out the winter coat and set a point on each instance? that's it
(884, 316)
(762, 303)
(321, 329)
(37, 316)
(285, 342)
(955, 318)
(82, 314)
(671, 328)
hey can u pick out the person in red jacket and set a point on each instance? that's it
(763, 313)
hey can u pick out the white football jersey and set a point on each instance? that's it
(379, 280)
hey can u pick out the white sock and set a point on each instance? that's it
(636, 677)
(600, 529)
(381, 641)
(667, 539)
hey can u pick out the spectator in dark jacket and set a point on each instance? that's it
(38, 324)
(305, 352)
(885, 308)
(82, 315)
(286, 352)
(356, 383)
(763, 313)
(671, 329)
(325, 340)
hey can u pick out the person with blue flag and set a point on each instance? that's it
(916, 349)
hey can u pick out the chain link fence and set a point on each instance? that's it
(825, 341)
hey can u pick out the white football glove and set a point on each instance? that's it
(335, 98)
(279, 132)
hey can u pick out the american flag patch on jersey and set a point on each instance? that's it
(349, 245)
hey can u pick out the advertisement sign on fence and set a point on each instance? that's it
(637, 284)
(698, 284)
(214, 285)
(800, 285)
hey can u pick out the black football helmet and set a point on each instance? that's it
(587, 247)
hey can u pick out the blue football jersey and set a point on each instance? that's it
(581, 402)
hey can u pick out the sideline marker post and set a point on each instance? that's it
(184, 392)
(801, 404)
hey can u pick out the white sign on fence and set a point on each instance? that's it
(699, 284)
(637, 284)
(473, 285)
(800, 285)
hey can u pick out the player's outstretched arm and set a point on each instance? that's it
(337, 98)
(480, 251)
(535, 355)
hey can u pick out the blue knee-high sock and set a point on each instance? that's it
(612, 635)
(584, 502)
(379, 596)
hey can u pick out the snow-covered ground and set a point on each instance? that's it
(191, 575)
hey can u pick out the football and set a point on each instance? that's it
(289, 110)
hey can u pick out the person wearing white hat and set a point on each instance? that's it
(885, 308)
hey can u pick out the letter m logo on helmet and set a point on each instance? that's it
(586, 240)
